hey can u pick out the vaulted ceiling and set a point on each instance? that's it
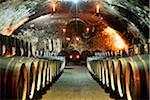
(129, 18)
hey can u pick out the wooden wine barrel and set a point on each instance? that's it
(137, 77)
(107, 71)
(31, 75)
(93, 67)
(7, 43)
(48, 74)
(13, 45)
(109, 64)
(41, 75)
(113, 76)
(44, 73)
(13, 79)
(103, 73)
(98, 70)
(22, 48)
(50, 77)
(4, 50)
(3, 45)
(122, 64)
(120, 76)
(53, 70)
(38, 67)
(58, 65)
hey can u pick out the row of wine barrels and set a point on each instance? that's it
(47, 73)
(125, 77)
(13, 46)
(10, 46)
(136, 49)
(23, 77)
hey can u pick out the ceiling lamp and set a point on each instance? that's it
(97, 8)
(87, 29)
(64, 30)
(77, 38)
(54, 7)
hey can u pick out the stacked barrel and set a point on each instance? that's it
(12, 46)
(22, 76)
(123, 76)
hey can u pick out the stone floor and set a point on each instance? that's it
(76, 84)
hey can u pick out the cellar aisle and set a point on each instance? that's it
(76, 84)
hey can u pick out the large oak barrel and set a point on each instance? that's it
(103, 73)
(31, 68)
(38, 67)
(59, 63)
(53, 70)
(13, 79)
(48, 74)
(4, 49)
(43, 74)
(93, 66)
(98, 70)
(3, 46)
(40, 74)
(58, 67)
(108, 63)
(137, 77)
(8, 46)
(13, 45)
(113, 77)
(106, 71)
(121, 76)
(50, 67)
(96, 67)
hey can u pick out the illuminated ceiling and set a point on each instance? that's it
(125, 16)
